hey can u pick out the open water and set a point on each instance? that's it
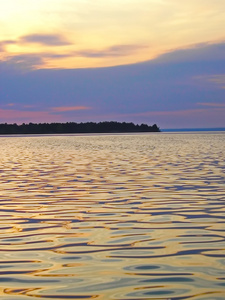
(138, 216)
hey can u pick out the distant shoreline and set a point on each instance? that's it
(72, 127)
(193, 129)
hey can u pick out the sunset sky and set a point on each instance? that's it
(142, 61)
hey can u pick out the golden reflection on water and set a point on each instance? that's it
(112, 217)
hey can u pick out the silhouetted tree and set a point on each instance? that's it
(72, 127)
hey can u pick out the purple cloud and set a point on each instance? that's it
(196, 52)
(117, 50)
(45, 39)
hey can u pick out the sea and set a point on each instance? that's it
(113, 216)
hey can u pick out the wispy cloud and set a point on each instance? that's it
(171, 113)
(9, 105)
(50, 58)
(184, 112)
(216, 105)
(23, 62)
(45, 39)
(26, 62)
(117, 50)
(217, 80)
(20, 116)
(29, 106)
(42, 59)
(69, 108)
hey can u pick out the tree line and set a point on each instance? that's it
(72, 127)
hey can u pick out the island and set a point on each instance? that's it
(72, 127)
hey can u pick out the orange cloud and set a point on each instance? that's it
(69, 108)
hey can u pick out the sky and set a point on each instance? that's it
(140, 61)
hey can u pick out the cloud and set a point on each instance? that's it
(9, 105)
(45, 39)
(201, 52)
(26, 62)
(216, 105)
(117, 50)
(3, 44)
(183, 112)
(196, 52)
(40, 60)
(29, 106)
(22, 62)
(69, 108)
(217, 80)
(24, 116)
(220, 79)
(42, 39)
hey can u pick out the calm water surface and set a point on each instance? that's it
(112, 217)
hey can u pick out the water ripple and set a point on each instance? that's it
(112, 217)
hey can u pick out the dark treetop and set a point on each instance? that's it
(71, 127)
